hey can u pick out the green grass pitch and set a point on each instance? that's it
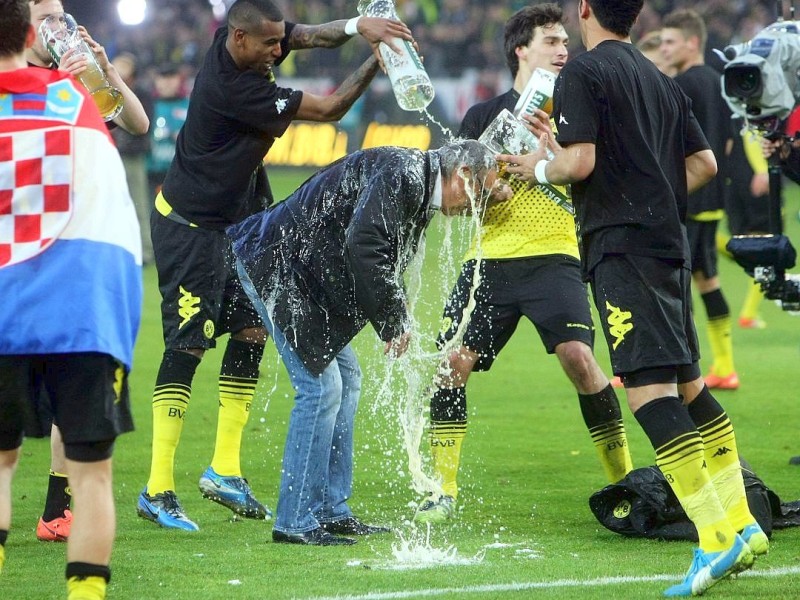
(528, 468)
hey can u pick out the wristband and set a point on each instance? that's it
(351, 27)
(538, 171)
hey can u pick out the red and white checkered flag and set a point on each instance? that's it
(35, 191)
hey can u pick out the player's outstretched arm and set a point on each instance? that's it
(334, 106)
(332, 35)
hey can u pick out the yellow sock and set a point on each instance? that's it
(611, 444)
(446, 440)
(2, 558)
(722, 459)
(722, 244)
(170, 403)
(751, 302)
(681, 460)
(235, 397)
(86, 588)
(719, 336)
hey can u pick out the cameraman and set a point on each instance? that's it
(789, 150)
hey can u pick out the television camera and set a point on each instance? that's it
(761, 85)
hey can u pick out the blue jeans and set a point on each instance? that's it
(317, 470)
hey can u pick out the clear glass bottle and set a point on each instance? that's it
(411, 84)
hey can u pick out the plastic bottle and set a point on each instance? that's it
(411, 84)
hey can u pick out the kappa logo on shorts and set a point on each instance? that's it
(189, 306)
(119, 378)
(447, 323)
(618, 323)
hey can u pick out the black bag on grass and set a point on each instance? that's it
(643, 505)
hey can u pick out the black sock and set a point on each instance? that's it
(82, 570)
(58, 497)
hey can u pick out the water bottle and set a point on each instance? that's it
(411, 84)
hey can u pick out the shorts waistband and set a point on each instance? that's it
(165, 210)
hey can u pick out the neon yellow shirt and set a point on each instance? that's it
(529, 224)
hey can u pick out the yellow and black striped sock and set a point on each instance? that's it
(722, 457)
(448, 429)
(238, 378)
(719, 333)
(86, 581)
(170, 402)
(680, 456)
(603, 418)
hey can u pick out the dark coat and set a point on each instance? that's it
(330, 258)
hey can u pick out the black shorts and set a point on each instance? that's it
(202, 297)
(746, 213)
(88, 394)
(547, 290)
(703, 245)
(645, 311)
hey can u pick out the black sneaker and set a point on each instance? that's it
(315, 537)
(353, 526)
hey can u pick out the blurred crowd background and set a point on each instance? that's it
(461, 41)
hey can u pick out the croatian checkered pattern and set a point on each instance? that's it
(35, 194)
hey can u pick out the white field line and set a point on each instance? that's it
(561, 583)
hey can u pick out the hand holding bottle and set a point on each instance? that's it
(411, 85)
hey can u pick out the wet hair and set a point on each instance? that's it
(690, 23)
(251, 12)
(521, 27)
(466, 153)
(616, 16)
(14, 26)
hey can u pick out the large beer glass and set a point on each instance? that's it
(508, 135)
(59, 34)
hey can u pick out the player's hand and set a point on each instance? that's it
(539, 124)
(522, 165)
(377, 29)
(74, 62)
(99, 52)
(397, 347)
(759, 184)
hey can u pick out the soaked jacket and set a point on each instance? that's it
(330, 258)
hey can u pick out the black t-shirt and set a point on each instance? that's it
(216, 177)
(634, 202)
(702, 84)
(480, 116)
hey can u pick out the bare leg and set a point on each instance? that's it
(94, 517)
(58, 462)
(8, 464)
